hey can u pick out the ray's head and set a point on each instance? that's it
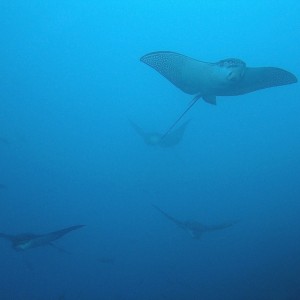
(234, 69)
(21, 246)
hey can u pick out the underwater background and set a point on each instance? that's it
(71, 82)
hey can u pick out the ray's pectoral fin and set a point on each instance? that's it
(210, 99)
(138, 129)
(183, 71)
(222, 226)
(60, 233)
(264, 77)
(169, 217)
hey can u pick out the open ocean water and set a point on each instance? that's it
(208, 212)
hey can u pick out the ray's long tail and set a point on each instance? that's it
(195, 99)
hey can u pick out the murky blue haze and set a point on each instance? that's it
(71, 81)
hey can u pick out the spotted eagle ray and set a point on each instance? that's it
(194, 228)
(227, 77)
(25, 241)
(158, 139)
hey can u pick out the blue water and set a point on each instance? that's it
(71, 80)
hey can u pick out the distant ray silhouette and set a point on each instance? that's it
(157, 139)
(194, 228)
(25, 241)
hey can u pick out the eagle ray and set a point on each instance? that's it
(227, 77)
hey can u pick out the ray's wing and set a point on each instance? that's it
(265, 77)
(181, 70)
(48, 238)
(18, 240)
(177, 222)
(52, 236)
(19, 237)
(174, 137)
(221, 226)
(138, 129)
